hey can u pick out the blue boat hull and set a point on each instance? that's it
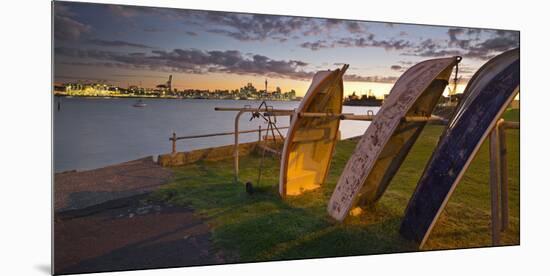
(485, 99)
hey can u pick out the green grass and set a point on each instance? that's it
(511, 115)
(264, 227)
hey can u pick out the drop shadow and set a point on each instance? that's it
(44, 268)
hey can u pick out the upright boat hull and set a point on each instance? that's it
(389, 138)
(310, 141)
(486, 97)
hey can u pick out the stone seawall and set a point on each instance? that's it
(223, 152)
(209, 154)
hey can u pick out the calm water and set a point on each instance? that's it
(94, 132)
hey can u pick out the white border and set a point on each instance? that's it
(25, 136)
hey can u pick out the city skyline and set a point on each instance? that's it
(130, 45)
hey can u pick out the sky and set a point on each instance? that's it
(131, 45)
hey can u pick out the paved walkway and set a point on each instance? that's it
(77, 190)
(138, 235)
(104, 222)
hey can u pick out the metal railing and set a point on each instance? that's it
(175, 138)
(498, 179)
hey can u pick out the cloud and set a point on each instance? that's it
(117, 43)
(127, 11)
(236, 35)
(469, 44)
(153, 30)
(136, 13)
(355, 27)
(381, 79)
(333, 23)
(257, 27)
(431, 48)
(244, 27)
(501, 43)
(86, 78)
(498, 42)
(454, 40)
(406, 62)
(360, 42)
(391, 44)
(190, 61)
(65, 26)
(421, 52)
(247, 27)
(196, 61)
(191, 33)
(396, 67)
(314, 46)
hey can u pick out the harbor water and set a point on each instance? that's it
(95, 132)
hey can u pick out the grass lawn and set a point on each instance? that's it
(262, 227)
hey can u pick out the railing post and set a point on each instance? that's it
(259, 134)
(236, 146)
(494, 152)
(503, 175)
(173, 142)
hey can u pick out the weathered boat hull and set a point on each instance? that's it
(486, 97)
(389, 138)
(310, 141)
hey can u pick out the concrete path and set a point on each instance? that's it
(104, 221)
(77, 190)
(136, 235)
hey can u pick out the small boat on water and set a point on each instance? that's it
(354, 100)
(140, 103)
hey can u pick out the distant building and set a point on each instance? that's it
(291, 95)
(166, 90)
(365, 100)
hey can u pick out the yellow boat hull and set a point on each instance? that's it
(310, 142)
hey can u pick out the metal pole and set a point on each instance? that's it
(503, 175)
(236, 146)
(259, 134)
(173, 142)
(248, 109)
(218, 134)
(357, 117)
(494, 151)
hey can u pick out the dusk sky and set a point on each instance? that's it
(128, 45)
